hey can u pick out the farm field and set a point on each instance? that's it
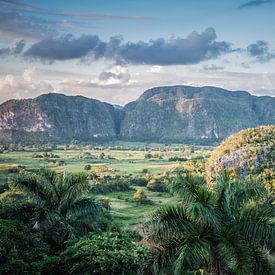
(120, 159)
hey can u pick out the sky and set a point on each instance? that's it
(115, 50)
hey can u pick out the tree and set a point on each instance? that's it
(227, 230)
(107, 253)
(64, 212)
(21, 250)
(87, 167)
(139, 196)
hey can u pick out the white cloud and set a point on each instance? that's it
(22, 86)
(155, 69)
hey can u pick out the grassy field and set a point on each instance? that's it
(117, 159)
(121, 160)
(126, 211)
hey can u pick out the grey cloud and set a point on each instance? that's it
(17, 49)
(245, 65)
(175, 51)
(11, 4)
(255, 3)
(260, 51)
(213, 67)
(19, 25)
(19, 6)
(121, 76)
(67, 47)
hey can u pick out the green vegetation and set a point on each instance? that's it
(128, 208)
(21, 250)
(228, 230)
(249, 154)
(62, 211)
(109, 253)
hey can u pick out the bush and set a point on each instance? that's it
(138, 181)
(110, 186)
(157, 185)
(87, 167)
(109, 253)
(177, 159)
(21, 251)
(17, 208)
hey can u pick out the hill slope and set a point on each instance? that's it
(59, 118)
(247, 153)
(162, 114)
(184, 113)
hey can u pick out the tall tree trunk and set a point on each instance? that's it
(215, 267)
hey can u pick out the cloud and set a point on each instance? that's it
(117, 75)
(212, 67)
(176, 51)
(17, 49)
(22, 86)
(260, 51)
(18, 25)
(67, 47)
(155, 69)
(15, 5)
(255, 3)
(245, 65)
(19, 6)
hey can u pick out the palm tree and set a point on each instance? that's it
(63, 210)
(227, 230)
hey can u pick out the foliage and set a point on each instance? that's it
(249, 153)
(139, 196)
(87, 167)
(109, 185)
(18, 207)
(64, 212)
(228, 230)
(108, 253)
(46, 155)
(21, 250)
(158, 184)
(138, 181)
(176, 158)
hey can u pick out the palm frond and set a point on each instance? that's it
(191, 255)
(261, 262)
(203, 214)
(31, 183)
(73, 185)
(187, 185)
(85, 210)
(241, 192)
(168, 222)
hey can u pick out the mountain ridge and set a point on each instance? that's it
(161, 114)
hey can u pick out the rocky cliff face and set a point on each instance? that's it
(163, 114)
(193, 114)
(59, 118)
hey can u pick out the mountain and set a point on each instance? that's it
(193, 114)
(57, 118)
(162, 114)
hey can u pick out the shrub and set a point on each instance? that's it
(87, 167)
(157, 185)
(21, 251)
(109, 253)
